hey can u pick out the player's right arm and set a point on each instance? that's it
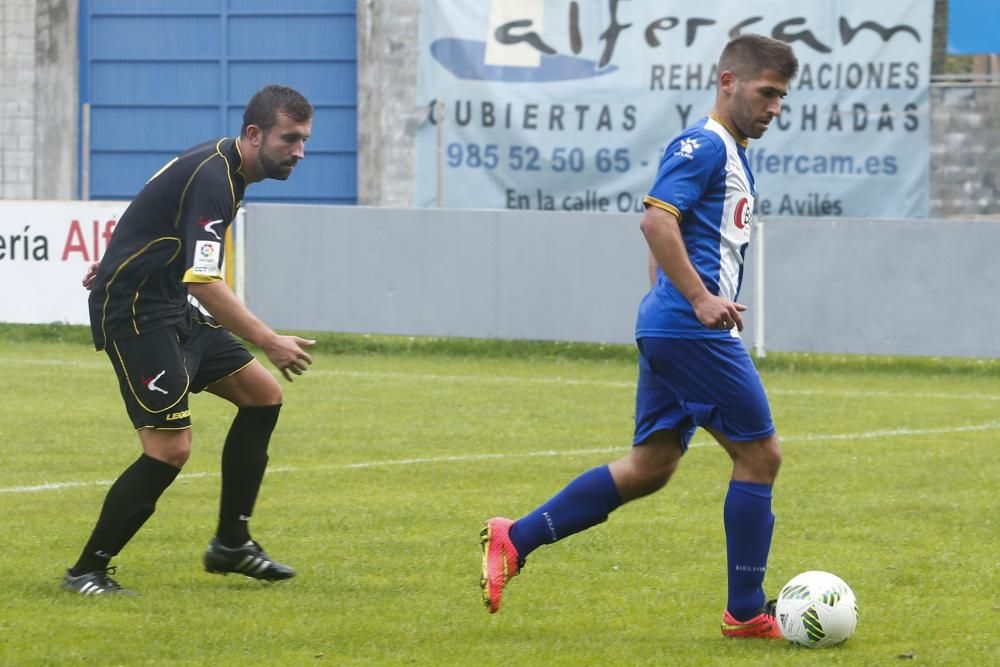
(208, 209)
(651, 267)
(287, 353)
(663, 234)
(691, 162)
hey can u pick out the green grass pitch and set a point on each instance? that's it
(389, 455)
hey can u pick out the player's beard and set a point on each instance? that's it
(744, 120)
(274, 169)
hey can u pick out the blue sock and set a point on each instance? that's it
(585, 502)
(749, 525)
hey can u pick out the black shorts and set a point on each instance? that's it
(157, 370)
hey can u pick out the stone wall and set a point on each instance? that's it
(965, 150)
(39, 84)
(17, 99)
(57, 98)
(388, 117)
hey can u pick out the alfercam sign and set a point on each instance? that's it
(568, 104)
(45, 248)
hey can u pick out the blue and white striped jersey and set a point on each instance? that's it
(704, 179)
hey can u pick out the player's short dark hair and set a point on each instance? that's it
(747, 56)
(263, 108)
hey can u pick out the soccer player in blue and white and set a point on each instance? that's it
(693, 367)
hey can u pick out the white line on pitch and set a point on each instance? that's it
(808, 437)
(514, 379)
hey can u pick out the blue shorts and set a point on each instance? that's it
(686, 383)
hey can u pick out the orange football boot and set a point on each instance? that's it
(762, 626)
(500, 561)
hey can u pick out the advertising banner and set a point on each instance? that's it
(568, 104)
(45, 249)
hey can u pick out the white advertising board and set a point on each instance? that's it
(45, 249)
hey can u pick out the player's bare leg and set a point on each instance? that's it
(647, 467)
(170, 447)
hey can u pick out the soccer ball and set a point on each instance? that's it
(817, 609)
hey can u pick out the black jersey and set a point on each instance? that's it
(171, 234)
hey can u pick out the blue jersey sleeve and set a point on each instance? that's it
(688, 165)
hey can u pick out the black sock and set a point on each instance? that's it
(244, 459)
(130, 501)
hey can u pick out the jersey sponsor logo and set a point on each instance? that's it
(687, 148)
(206, 258)
(743, 213)
(209, 226)
(178, 415)
(150, 382)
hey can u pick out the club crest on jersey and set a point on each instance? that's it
(743, 213)
(687, 148)
(209, 226)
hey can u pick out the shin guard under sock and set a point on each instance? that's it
(131, 500)
(244, 459)
(584, 502)
(749, 526)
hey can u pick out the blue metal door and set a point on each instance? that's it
(159, 76)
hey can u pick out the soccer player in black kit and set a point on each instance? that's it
(167, 245)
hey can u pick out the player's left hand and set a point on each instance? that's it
(289, 354)
(716, 312)
(88, 278)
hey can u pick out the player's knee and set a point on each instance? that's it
(766, 459)
(271, 395)
(179, 453)
(663, 470)
(651, 468)
(776, 462)
(276, 396)
(266, 392)
(658, 476)
(772, 454)
(771, 467)
(171, 447)
(179, 457)
(651, 479)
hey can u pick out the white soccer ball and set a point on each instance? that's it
(817, 609)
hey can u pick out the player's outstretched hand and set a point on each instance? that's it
(715, 312)
(289, 355)
(88, 278)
